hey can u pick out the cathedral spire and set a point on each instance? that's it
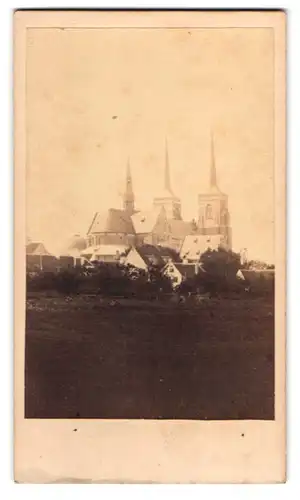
(166, 198)
(128, 199)
(167, 185)
(213, 172)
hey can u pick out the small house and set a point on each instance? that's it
(144, 256)
(38, 257)
(179, 272)
(194, 245)
(105, 253)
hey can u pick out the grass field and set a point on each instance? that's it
(85, 359)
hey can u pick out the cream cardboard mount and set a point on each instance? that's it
(185, 384)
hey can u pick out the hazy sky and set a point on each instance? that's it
(158, 83)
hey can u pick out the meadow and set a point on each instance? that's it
(154, 360)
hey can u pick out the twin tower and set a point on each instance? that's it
(213, 216)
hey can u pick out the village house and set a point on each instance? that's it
(194, 245)
(105, 253)
(38, 257)
(144, 256)
(179, 272)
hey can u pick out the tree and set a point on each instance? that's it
(159, 282)
(67, 281)
(40, 281)
(258, 265)
(148, 283)
(110, 279)
(220, 268)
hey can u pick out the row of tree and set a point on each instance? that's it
(220, 276)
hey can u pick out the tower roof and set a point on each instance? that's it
(213, 185)
(167, 191)
(112, 221)
(167, 180)
(128, 194)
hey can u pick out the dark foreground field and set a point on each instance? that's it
(85, 359)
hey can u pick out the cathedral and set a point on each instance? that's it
(112, 233)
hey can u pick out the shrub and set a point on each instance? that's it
(220, 268)
(67, 281)
(40, 281)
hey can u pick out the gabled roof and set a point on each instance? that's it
(144, 221)
(36, 248)
(188, 270)
(151, 255)
(168, 253)
(196, 244)
(113, 221)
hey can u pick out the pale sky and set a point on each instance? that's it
(158, 83)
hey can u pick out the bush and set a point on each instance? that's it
(40, 281)
(64, 281)
(67, 281)
(220, 268)
(109, 279)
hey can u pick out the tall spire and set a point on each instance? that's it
(166, 197)
(128, 199)
(213, 172)
(167, 185)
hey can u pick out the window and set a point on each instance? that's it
(209, 214)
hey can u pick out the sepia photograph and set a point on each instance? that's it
(150, 211)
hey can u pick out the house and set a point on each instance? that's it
(105, 253)
(178, 272)
(145, 255)
(196, 244)
(38, 257)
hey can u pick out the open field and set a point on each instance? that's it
(85, 359)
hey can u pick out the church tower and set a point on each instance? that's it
(213, 214)
(128, 197)
(167, 198)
